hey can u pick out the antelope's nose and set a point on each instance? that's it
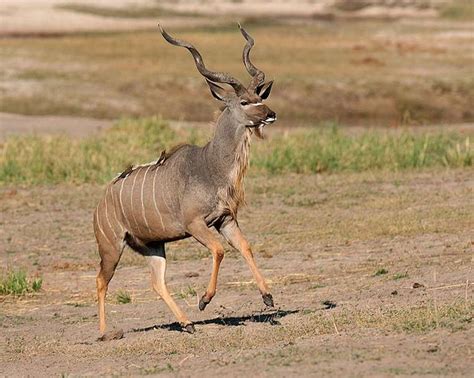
(271, 117)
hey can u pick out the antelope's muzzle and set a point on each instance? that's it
(271, 117)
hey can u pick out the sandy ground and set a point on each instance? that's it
(15, 124)
(33, 17)
(43, 17)
(319, 241)
(38, 16)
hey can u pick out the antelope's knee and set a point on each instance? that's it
(218, 252)
(159, 289)
(100, 282)
(247, 250)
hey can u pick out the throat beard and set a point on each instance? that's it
(259, 131)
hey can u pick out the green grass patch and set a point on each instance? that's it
(380, 272)
(187, 292)
(458, 10)
(330, 150)
(123, 297)
(58, 159)
(40, 160)
(17, 283)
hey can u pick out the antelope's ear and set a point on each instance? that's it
(217, 91)
(264, 90)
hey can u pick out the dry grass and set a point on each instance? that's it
(458, 10)
(371, 72)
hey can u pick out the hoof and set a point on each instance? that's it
(203, 302)
(190, 328)
(268, 300)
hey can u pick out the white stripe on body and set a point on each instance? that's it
(154, 200)
(115, 212)
(143, 204)
(131, 201)
(121, 203)
(107, 213)
(99, 225)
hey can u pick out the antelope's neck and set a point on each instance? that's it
(229, 150)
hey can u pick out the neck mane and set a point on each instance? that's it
(230, 148)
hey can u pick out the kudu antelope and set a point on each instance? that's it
(187, 192)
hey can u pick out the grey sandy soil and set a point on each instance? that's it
(36, 17)
(16, 124)
(316, 239)
(71, 126)
(26, 17)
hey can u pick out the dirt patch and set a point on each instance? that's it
(320, 9)
(359, 242)
(28, 17)
(20, 18)
(15, 124)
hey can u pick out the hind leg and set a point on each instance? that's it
(157, 261)
(110, 257)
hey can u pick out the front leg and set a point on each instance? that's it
(236, 239)
(199, 230)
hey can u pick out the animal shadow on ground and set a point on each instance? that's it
(233, 321)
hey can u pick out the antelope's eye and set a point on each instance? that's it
(243, 103)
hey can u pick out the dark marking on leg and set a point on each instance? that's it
(203, 302)
(268, 300)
